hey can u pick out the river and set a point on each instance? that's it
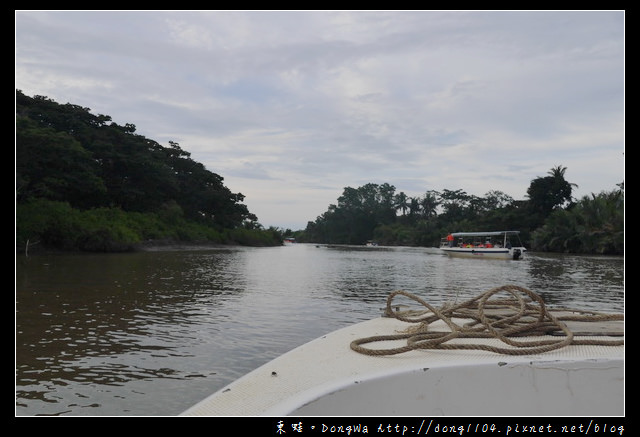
(151, 333)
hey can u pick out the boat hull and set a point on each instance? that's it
(515, 253)
(325, 377)
(549, 388)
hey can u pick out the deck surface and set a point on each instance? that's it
(328, 365)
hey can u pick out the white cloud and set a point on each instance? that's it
(290, 107)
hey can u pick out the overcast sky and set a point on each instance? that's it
(291, 107)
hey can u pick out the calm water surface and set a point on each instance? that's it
(152, 333)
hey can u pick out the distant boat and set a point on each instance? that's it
(371, 243)
(288, 240)
(492, 245)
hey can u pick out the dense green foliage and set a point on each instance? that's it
(84, 182)
(548, 220)
(593, 225)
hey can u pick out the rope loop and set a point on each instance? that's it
(522, 313)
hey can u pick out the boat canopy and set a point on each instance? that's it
(483, 234)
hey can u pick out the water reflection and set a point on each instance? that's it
(588, 282)
(112, 334)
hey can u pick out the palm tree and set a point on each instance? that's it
(414, 206)
(558, 174)
(401, 202)
(429, 204)
(550, 192)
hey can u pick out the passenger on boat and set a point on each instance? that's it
(450, 240)
(488, 244)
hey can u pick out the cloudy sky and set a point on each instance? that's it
(291, 107)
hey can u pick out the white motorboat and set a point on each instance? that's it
(491, 244)
(484, 357)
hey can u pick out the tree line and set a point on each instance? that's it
(550, 219)
(84, 182)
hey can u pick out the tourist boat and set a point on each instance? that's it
(288, 240)
(477, 358)
(493, 245)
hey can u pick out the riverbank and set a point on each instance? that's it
(147, 246)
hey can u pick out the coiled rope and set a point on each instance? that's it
(523, 314)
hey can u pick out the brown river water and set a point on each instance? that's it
(152, 333)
